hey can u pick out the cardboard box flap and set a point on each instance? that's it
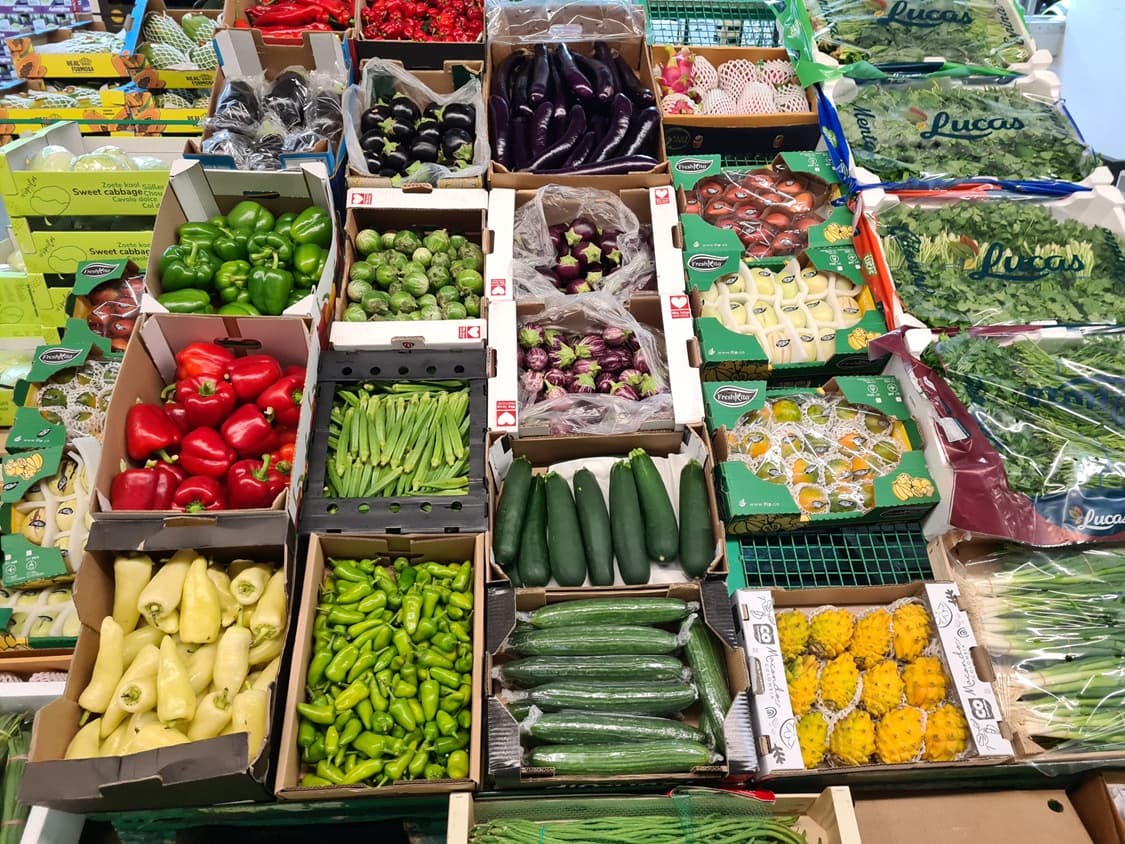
(197, 190)
(240, 52)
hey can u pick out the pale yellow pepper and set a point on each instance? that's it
(135, 642)
(268, 620)
(200, 613)
(250, 714)
(139, 680)
(211, 716)
(228, 606)
(201, 667)
(175, 699)
(131, 574)
(86, 742)
(160, 599)
(232, 662)
(247, 586)
(108, 668)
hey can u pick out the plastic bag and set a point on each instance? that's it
(287, 97)
(551, 256)
(382, 79)
(239, 106)
(925, 127)
(1001, 261)
(519, 22)
(592, 345)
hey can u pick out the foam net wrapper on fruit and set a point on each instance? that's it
(77, 398)
(54, 513)
(38, 613)
(794, 313)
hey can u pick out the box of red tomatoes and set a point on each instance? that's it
(766, 215)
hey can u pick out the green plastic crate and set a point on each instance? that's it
(711, 23)
(871, 555)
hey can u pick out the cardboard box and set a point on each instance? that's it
(754, 503)
(966, 664)
(827, 818)
(723, 352)
(1094, 801)
(149, 365)
(504, 762)
(154, 120)
(193, 774)
(29, 193)
(739, 134)
(30, 63)
(668, 314)
(141, 70)
(107, 296)
(197, 194)
(386, 209)
(15, 122)
(62, 250)
(414, 55)
(654, 207)
(566, 455)
(443, 549)
(1030, 817)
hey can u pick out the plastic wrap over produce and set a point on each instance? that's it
(1050, 621)
(578, 240)
(588, 367)
(517, 22)
(1030, 420)
(939, 127)
(1001, 260)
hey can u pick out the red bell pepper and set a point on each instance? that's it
(148, 430)
(250, 375)
(133, 489)
(254, 484)
(205, 452)
(168, 478)
(294, 370)
(178, 414)
(207, 359)
(198, 494)
(281, 401)
(207, 401)
(249, 432)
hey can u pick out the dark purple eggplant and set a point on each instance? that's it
(457, 145)
(458, 116)
(573, 78)
(503, 72)
(423, 150)
(541, 126)
(600, 75)
(581, 150)
(643, 132)
(631, 85)
(372, 143)
(397, 130)
(519, 151)
(618, 129)
(558, 151)
(540, 70)
(405, 109)
(500, 124)
(371, 118)
(613, 167)
(520, 80)
(396, 159)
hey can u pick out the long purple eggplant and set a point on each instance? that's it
(540, 70)
(521, 80)
(502, 73)
(558, 151)
(572, 76)
(599, 74)
(632, 86)
(498, 119)
(604, 54)
(540, 127)
(643, 130)
(613, 167)
(581, 150)
(520, 151)
(618, 128)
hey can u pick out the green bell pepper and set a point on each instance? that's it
(270, 287)
(308, 263)
(232, 246)
(187, 266)
(266, 247)
(284, 222)
(230, 281)
(201, 233)
(251, 215)
(239, 309)
(313, 225)
(187, 301)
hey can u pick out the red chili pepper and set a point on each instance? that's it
(178, 414)
(249, 432)
(281, 401)
(286, 14)
(254, 484)
(250, 375)
(290, 34)
(207, 359)
(168, 477)
(198, 494)
(207, 401)
(338, 11)
(148, 430)
(205, 452)
(133, 489)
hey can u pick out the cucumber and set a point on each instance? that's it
(627, 526)
(587, 611)
(536, 670)
(702, 654)
(592, 641)
(644, 757)
(697, 542)
(594, 519)
(564, 536)
(642, 698)
(579, 727)
(662, 539)
(534, 564)
(511, 512)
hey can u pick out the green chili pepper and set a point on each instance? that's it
(465, 718)
(463, 579)
(418, 763)
(326, 770)
(315, 752)
(353, 593)
(342, 663)
(402, 643)
(365, 661)
(306, 734)
(317, 664)
(406, 578)
(352, 695)
(430, 598)
(404, 690)
(447, 678)
(461, 600)
(348, 570)
(446, 723)
(416, 710)
(377, 698)
(452, 702)
(331, 740)
(464, 664)
(444, 642)
(400, 711)
(458, 765)
(341, 720)
(313, 781)
(411, 612)
(384, 679)
(434, 772)
(384, 580)
(363, 771)
(430, 658)
(363, 626)
(430, 731)
(409, 674)
(458, 630)
(352, 729)
(429, 693)
(374, 601)
(439, 570)
(370, 744)
(386, 655)
(394, 770)
(448, 744)
(426, 629)
(317, 713)
(382, 722)
(340, 615)
(394, 600)
(364, 710)
(422, 577)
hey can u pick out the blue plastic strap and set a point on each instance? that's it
(1028, 187)
(834, 141)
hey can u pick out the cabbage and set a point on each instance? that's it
(103, 161)
(52, 158)
(150, 162)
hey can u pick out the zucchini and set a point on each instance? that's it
(697, 541)
(511, 512)
(662, 539)
(564, 536)
(535, 670)
(592, 641)
(642, 698)
(587, 611)
(603, 728)
(627, 526)
(702, 654)
(534, 563)
(644, 757)
(594, 519)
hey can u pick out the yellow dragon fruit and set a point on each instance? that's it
(802, 675)
(898, 735)
(793, 633)
(925, 682)
(871, 641)
(882, 688)
(812, 735)
(947, 734)
(853, 739)
(830, 632)
(838, 681)
(911, 631)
